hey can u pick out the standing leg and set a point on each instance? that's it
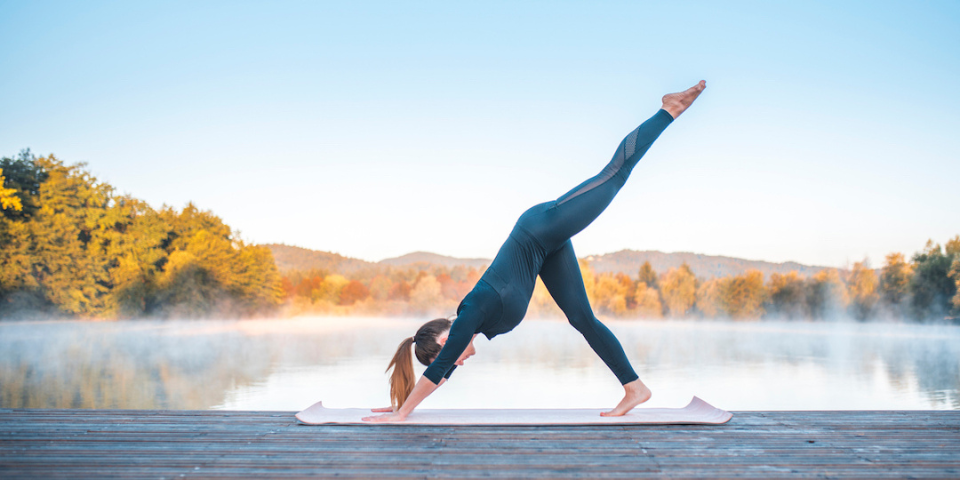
(561, 275)
(553, 223)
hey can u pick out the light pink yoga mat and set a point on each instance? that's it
(697, 412)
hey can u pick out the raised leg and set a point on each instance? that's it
(552, 223)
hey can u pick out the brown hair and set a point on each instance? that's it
(427, 348)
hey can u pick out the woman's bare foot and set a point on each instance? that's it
(635, 393)
(676, 103)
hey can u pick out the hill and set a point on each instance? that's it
(704, 266)
(427, 258)
(289, 257)
(627, 261)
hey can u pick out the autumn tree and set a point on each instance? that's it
(826, 294)
(648, 301)
(353, 292)
(952, 247)
(610, 294)
(589, 280)
(679, 290)
(380, 288)
(134, 247)
(862, 288)
(786, 295)
(71, 204)
(541, 301)
(331, 288)
(426, 296)
(742, 296)
(708, 298)
(895, 282)
(75, 247)
(400, 291)
(8, 196)
(648, 276)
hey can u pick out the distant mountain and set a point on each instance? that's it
(427, 258)
(627, 261)
(288, 257)
(705, 266)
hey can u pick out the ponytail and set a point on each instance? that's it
(427, 349)
(401, 380)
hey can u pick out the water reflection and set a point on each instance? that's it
(289, 364)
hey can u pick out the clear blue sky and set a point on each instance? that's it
(828, 131)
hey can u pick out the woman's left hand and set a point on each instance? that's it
(381, 410)
(390, 417)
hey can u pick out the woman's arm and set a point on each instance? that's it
(422, 390)
(462, 332)
(390, 409)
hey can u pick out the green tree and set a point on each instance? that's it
(931, 287)
(23, 175)
(955, 275)
(953, 250)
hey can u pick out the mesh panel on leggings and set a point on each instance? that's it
(631, 145)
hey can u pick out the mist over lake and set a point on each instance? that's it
(292, 363)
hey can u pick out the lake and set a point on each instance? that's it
(289, 364)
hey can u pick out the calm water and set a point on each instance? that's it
(290, 364)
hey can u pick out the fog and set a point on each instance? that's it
(290, 364)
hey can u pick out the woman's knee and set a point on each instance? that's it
(584, 322)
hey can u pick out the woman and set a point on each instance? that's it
(538, 245)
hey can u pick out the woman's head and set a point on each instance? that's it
(427, 340)
(427, 346)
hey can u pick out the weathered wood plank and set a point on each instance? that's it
(216, 444)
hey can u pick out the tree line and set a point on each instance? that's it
(71, 246)
(923, 288)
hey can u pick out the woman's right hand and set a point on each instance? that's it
(381, 410)
(387, 417)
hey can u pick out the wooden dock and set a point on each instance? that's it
(218, 444)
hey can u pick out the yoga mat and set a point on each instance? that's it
(697, 412)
